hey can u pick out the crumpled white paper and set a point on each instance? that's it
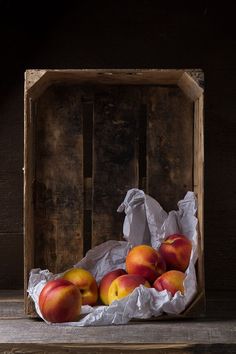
(145, 222)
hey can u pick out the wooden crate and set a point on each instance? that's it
(90, 135)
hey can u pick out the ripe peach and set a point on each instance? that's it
(171, 281)
(145, 261)
(124, 285)
(176, 251)
(60, 301)
(106, 282)
(86, 284)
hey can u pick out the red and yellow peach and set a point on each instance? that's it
(85, 283)
(145, 261)
(124, 285)
(173, 281)
(60, 301)
(106, 282)
(176, 251)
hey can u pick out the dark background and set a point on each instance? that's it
(124, 34)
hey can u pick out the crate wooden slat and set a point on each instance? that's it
(59, 181)
(169, 145)
(115, 157)
(90, 135)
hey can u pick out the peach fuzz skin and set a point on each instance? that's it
(173, 281)
(176, 251)
(124, 285)
(106, 282)
(145, 261)
(86, 284)
(60, 301)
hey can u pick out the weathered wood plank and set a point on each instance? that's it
(38, 80)
(190, 83)
(169, 145)
(209, 335)
(33, 348)
(198, 177)
(11, 269)
(168, 332)
(13, 310)
(11, 295)
(59, 179)
(29, 177)
(11, 199)
(115, 170)
(11, 161)
(88, 117)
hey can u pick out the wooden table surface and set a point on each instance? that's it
(216, 333)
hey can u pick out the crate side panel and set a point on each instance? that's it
(59, 179)
(116, 115)
(29, 162)
(199, 183)
(169, 145)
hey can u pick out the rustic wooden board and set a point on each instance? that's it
(35, 348)
(59, 179)
(160, 333)
(169, 145)
(213, 334)
(103, 77)
(11, 269)
(198, 171)
(115, 162)
(11, 310)
(11, 198)
(11, 161)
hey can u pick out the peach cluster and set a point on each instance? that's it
(163, 269)
(61, 299)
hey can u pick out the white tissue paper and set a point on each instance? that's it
(145, 223)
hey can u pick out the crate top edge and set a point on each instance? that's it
(114, 69)
(41, 78)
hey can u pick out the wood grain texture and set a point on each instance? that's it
(14, 311)
(190, 82)
(198, 177)
(59, 179)
(38, 80)
(11, 269)
(169, 145)
(29, 178)
(11, 162)
(11, 198)
(115, 163)
(11, 304)
(169, 332)
(212, 334)
(33, 348)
